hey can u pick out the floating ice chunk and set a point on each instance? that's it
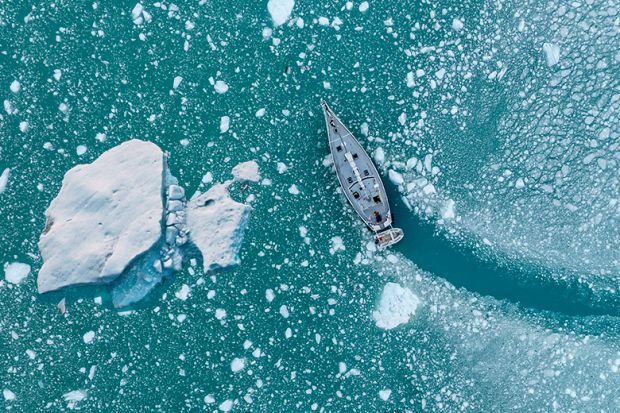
(324, 21)
(73, 397)
(183, 293)
(81, 150)
(237, 364)
(226, 405)
(429, 189)
(269, 294)
(15, 86)
(379, 155)
(385, 394)
(220, 86)
(336, 245)
(363, 6)
(447, 212)
(4, 179)
(57, 74)
(281, 167)
(519, 183)
(88, 337)
(16, 272)
(457, 24)
(552, 53)
(284, 311)
(23, 126)
(101, 221)
(402, 119)
(224, 124)
(293, 190)
(217, 224)
(280, 10)
(220, 313)
(260, 113)
(246, 171)
(410, 80)
(139, 15)
(396, 305)
(177, 81)
(395, 177)
(8, 395)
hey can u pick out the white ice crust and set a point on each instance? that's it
(396, 305)
(107, 213)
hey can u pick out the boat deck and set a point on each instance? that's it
(358, 175)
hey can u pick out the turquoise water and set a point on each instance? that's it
(518, 289)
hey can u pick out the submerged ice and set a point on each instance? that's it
(124, 221)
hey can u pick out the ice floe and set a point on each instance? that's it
(133, 226)
(396, 305)
(217, 224)
(4, 179)
(16, 272)
(280, 10)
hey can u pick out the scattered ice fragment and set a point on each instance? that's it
(402, 118)
(16, 272)
(226, 405)
(293, 190)
(447, 212)
(57, 74)
(519, 183)
(260, 113)
(177, 81)
(100, 136)
(15, 86)
(4, 179)
(81, 150)
(281, 167)
(363, 6)
(8, 395)
(457, 24)
(23, 126)
(220, 86)
(224, 124)
(220, 313)
(280, 10)
(246, 171)
(396, 305)
(324, 21)
(209, 399)
(395, 177)
(62, 306)
(183, 293)
(269, 294)
(336, 245)
(552, 53)
(88, 337)
(385, 394)
(237, 364)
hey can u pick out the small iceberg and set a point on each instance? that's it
(124, 221)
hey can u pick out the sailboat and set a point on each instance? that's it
(360, 181)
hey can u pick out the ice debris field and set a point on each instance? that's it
(174, 237)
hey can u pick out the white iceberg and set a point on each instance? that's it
(121, 221)
(16, 272)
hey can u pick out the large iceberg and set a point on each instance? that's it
(124, 221)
